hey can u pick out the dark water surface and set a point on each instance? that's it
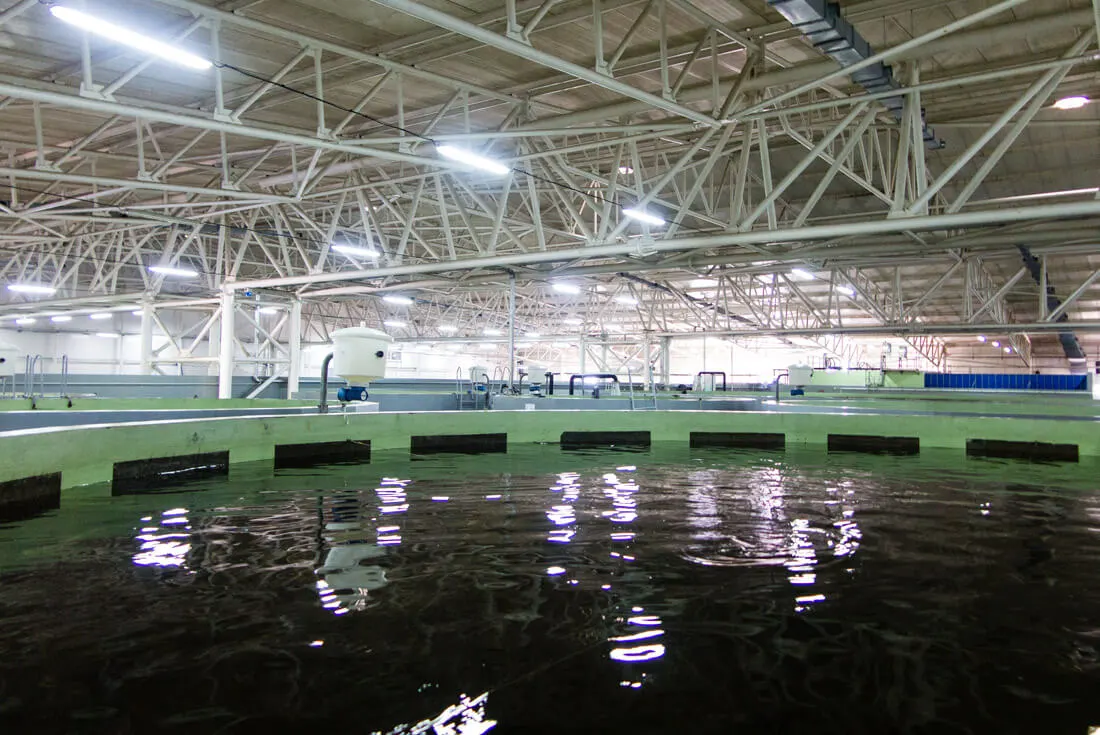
(546, 591)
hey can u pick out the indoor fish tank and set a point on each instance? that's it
(547, 591)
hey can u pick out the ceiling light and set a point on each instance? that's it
(137, 312)
(487, 347)
(570, 288)
(164, 270)
(489, 332)
(395, 324)
(802, 274)
(626, 170)
(996, 343)
(355, 251)
(100, 316)
(572, 322)
(61, 318)
(108, 335)
(129, 38)
(531, 335)
(447, 328)
(1008, 350)
(472, 160)
(703, 283)
(625, 299)
(1071, 103)
(269, 310)
(981, 338)
(32, 288)
(396, 299)
(25, 321)
(846, 290)
(643, 216)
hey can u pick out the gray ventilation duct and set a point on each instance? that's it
(1070, 345)
(823, 26)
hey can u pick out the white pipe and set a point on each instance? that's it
(525, 51)
(148, 113)
(728, 239)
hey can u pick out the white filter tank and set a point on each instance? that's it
(359, 354)
(536, 374)
(479, 373)
(799, 375)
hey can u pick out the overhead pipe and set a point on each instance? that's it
(959, 220)
(966, 40)
(828, 31)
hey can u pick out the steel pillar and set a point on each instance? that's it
(225, 354)
(294, 371)
(147, 338)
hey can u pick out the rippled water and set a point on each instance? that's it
(547, 591)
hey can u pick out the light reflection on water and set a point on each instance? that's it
(684, 580)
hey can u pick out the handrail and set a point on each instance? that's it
(606, 376)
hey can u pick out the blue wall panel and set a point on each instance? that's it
(1006, 381)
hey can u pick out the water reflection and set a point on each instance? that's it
(166, 544)
(468, 717)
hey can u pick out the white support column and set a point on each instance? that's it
(294, 371)
(147, 338)
(225, 354)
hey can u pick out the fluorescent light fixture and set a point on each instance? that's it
(626, 170)
(396, 299)
(570, 288)
(269, 310)
(625, 299)
(447, 328)
(32, 288)
(1071, 103)
(996, 343)
(61, 318)
(643, 216)
(981, 338)
(532, 335)
(394, 323)
(491, 332)
(101, 316)
(472, 159)
(355, 251)
(24, 321)
(108, 335)
(487, 347)
(164, 270)
(802, 274)
(1008, 350)
(126, 37)
(572, 322)
(704, 283)
(846, 290)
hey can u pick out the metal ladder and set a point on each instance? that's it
(467, 395)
